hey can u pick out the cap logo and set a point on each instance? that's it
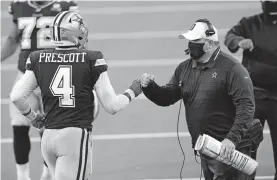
(192, 27)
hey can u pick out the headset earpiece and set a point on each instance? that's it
(210, 31)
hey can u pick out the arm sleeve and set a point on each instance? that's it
(22, 89)
(235, 35)
(111, 102)
(11, 43)
(240, 87)
(30, 65)
(164, 95)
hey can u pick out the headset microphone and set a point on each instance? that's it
(187, 51)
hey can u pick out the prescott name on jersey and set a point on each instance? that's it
(65, 57)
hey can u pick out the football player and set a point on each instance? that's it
(31, 20)
(66, 77)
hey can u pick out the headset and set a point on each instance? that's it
(209, 32)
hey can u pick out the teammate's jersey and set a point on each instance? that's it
(33, 23)
(66, 79)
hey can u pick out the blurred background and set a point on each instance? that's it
(135, 37)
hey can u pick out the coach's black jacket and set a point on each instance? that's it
(218, 97)
(262, 61)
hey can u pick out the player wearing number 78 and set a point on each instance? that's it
(67, 76)
(31, 21)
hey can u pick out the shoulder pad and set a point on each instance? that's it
(35, 55)
(97, 59)
(94, 55)
(31, 61)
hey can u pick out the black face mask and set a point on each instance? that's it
(196, 50)
(269, 7)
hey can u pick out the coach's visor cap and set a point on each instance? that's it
(198, 31)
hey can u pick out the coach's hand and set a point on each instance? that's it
(246, 44)
(136, 87)
(39, 121)
(227, 149)
(146, 79)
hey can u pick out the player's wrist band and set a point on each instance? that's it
(129, 94)
(28, 111)
(30, 114)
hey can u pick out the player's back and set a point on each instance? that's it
(67, 78)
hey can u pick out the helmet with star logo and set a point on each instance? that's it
(69, 29)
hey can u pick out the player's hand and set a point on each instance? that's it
(146, 79)
(39, 121)
(41, 130)
(246, 44)
(227, 149)
(136, 87)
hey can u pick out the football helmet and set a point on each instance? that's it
(69, 29)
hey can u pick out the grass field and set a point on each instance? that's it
(135, 37)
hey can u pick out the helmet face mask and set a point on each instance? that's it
(68, 29)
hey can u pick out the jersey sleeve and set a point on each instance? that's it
(11, 11)
(100, 63)
(111, 102)
(30, 63)
(240, 88)
(97, 65)
(22, 90)
(168, 94)
(237, 33)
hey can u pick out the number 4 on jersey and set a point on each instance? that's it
(61, 86)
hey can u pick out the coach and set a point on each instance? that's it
(217, 93)
(257, 36)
